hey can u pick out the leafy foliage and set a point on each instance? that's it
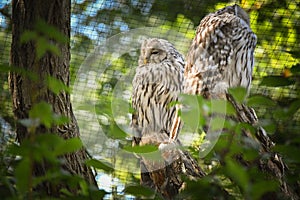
(275, 98)
(42, 34)
(18, 177)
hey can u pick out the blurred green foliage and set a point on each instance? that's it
(274, 95)
(17, 179)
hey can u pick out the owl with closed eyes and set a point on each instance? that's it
(157, 83)
(221, 55)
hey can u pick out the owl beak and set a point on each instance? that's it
(145, 61)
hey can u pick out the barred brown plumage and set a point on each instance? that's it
(157, 83)
(221, 54)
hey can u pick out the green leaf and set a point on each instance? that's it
(15, 149)
(56, 86)
(48, 176)
(5, 68)
(295, 54)
(131, 109)
(276, 81)
(28, 36)
(84, 188)
(220, 106)
(139, 191)
(250, 154)
(230, 110)
(29, 74)
(51, 140)
(269, 125)
(238, 93)
(51, 31)
(43, 45)
(97, 194)
(190, 110)
(216, 123)
(260, 100)
(43, 41)
(248, 141)
(100, 165)
(289, 152)
(116, 132)
(43, 112)
(45, 145)
(293, 108)
(53, 49)
(262, 187)
(68, 146)
(295, 69)
(237, 173)
(23, 174)
(66, 192)
(59, 119)
(141, 149)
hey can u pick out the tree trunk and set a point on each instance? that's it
(26, 92)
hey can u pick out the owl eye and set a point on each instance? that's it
(155, 52)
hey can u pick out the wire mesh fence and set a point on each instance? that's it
(105, 42)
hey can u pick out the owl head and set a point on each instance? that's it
(236, 10)
(156, 50)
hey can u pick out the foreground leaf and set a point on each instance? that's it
(100, 165)
(276, 81)
(139, 191)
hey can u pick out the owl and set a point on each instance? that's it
(157, 83)
(220, 57)
(221, 54)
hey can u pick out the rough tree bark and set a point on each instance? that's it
(26, 93)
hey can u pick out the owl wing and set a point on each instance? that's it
(221, 56)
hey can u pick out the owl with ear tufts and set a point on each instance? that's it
(156, 84)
